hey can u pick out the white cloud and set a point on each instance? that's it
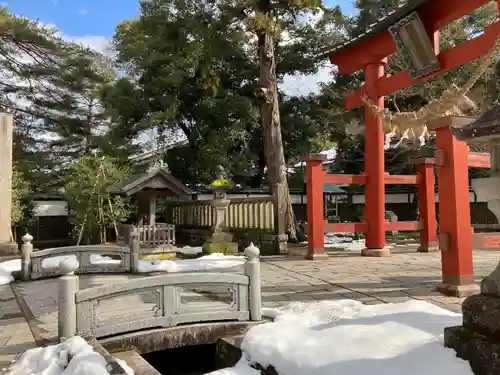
(96, 42)
(301, 84)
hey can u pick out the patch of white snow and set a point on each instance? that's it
(204, 263)
(347, 337)
(71, 357)
(188, 250)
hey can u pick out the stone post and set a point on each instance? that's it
(7, 247)
(135, 248)
(252, 270)
(26, 251)
(68, 285)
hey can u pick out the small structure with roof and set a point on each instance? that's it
(146, 188)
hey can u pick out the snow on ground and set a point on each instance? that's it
(343, 241)
(71, 357)
(188, 250)
(347, 337)
(347, 242)
(6, 269)
(204, 263)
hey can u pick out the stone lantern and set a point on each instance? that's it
(478, 339)
(221, 241)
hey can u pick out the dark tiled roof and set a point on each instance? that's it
(486, 126)
(383, 25)
(333, 189)
(131, 182)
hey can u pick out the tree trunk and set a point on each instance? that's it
(273, 144)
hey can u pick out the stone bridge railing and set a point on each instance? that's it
(90, 258)
(78, 313)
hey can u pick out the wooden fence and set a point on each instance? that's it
(242, 213)
(160, 234)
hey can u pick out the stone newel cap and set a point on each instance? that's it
(68, 266)
(252, 251)
(27, 238)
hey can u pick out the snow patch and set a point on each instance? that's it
(347, 337)
(71, 357)
(204, 263)
(188, 250)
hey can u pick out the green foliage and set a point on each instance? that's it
(54, 88)
(195, 64)
(86, 186)
(21, 200)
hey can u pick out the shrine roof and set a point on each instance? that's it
(487, 126)
(155, 178)
(384, 23)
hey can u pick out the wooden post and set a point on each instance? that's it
(315, 177)
(26, 251)
(374, 168)
(68, 285)
(252, 270)
(426, 205)
(152, 209)
(455, 230)
(135, 249)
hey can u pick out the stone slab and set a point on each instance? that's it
(136, 363)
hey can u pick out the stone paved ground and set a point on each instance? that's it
(28, 311)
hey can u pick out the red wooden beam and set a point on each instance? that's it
(479, 160)
(401, 225)
(450, 59)
(361, 227)
(434, 15)
(401, 180)
(345, 227)
(353, 179)
(345, 179)
(486, 241)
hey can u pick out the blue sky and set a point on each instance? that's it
(92, 17)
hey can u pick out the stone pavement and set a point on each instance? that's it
(28, 312)
(15, 334)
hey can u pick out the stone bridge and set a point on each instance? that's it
(29, 310)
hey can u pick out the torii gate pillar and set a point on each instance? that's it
(455, 230)
(374, 167)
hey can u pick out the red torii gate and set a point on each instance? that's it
(369, 52)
